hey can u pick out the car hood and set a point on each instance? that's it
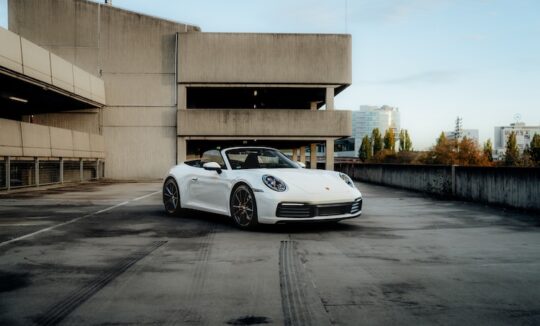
(310, 181)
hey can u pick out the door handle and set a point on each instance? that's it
(194, 179)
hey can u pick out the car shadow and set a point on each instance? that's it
(226, 223)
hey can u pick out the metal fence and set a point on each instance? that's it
(29, 172)
(72, 171)
(22, 173)
(49, 172)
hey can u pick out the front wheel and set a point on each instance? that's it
(171, 197)
(243, 207)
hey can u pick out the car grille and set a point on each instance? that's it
(299, 210)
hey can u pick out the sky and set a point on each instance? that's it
(433, 59)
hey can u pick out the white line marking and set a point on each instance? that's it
(74, 220)
(145, 196)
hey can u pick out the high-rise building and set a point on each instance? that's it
(364, 121)
(524, 135)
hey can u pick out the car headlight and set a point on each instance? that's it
(274, 183)
(347, 179)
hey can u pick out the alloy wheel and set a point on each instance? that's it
(243, 206)
(171, 197)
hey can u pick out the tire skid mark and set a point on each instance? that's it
(188, 314)
(296, 311)
(58, 312)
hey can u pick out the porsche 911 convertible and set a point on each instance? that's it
(259, 185)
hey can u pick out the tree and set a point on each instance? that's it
(442, 153)
(488, 150)
(534, 149)
(402, 140)
(408, 142)
(365, 149)
(470, 154)
(511, 156)
(390, 140)
(376, 141)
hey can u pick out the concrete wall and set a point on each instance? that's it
(20, 55)
(264, 58)
(81, 120)
(515, 187)
(425, 178)
(249, 122)
(135, 56)
(506, 186)
(33, 140)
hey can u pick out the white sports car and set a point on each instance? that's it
(259, 185)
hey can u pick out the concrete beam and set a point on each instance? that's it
(246, 122)
(280, 58)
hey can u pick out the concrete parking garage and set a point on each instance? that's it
(106, 254)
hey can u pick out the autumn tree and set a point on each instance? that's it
(470, 154)
(390, 140)
(442, 153)
(376, 141)
(488, 150)
(511, 156)
(365, 149)
(534, 149)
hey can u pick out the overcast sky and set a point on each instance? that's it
(433, 59)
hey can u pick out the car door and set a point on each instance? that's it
(208, 190)
(211, 191)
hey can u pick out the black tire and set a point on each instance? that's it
(243, 207)
(171, 197)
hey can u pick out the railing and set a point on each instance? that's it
(17, 172)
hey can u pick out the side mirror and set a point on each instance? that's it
(301, 164)
(212, 166)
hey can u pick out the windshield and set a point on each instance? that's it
(258, 158)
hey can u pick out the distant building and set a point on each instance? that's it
(524, 135)
(469, 133)
(363, 122)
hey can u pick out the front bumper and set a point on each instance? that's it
(274, 207)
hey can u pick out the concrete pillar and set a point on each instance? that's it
(329, 98)
(61, 170)
(181, 150)
(81, 169)
(36, 171)
(295, 154)
(8, 172)
(303, 154)
(330, 154)
(97, 169)
(182, 97)
(313, 156)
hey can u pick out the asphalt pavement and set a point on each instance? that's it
(107, 254)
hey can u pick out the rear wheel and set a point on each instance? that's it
(243, 207)
(171, 197)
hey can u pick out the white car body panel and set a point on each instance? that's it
(210, 191)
